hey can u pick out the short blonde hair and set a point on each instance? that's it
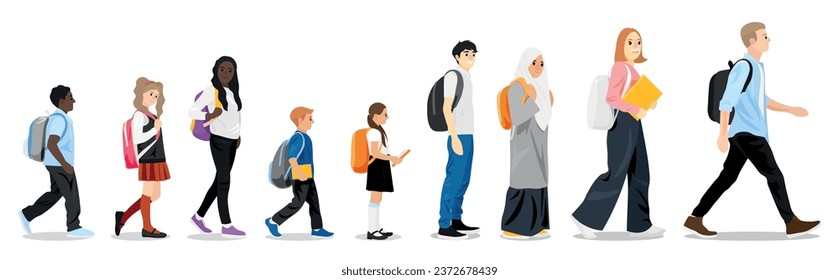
(299, 113)
(749, 31)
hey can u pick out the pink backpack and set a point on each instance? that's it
(129, 149)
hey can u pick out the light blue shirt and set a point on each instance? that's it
(60, 124)
(750, 106)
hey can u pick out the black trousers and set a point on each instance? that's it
(224, 153)
(64, 185)
(745, 146)
(627, 160)
(304, 192)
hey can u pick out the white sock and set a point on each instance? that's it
(373, 217)
(227, 225)
(198, 217)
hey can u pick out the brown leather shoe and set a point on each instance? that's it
(694, 225)
(796, 227)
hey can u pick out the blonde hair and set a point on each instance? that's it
(749, 31)
(621, 46)
(144, 85)
(299, 113)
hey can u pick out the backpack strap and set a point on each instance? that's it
(304, 144)
(218, 102)
(156, 137)
(372, 158)
(748, 78)
(63, 133)
(523, 83)
(153, 118)
(458, 89)
(628, 79)
(299, 153)
(625, 88)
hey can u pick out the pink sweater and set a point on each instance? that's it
(617, 82)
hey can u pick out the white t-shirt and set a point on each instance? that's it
(375, 136)
(228, 124)
(464, 115)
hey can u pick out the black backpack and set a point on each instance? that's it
(716, 89)
(436, 119)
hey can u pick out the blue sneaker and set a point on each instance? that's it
(25, 223)
(273, 228)
(321, 233)
(80, 232)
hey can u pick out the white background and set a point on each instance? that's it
(340, 56)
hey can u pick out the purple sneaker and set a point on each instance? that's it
(200, 224)
(232, 232)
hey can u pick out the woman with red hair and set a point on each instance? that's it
(627, 153)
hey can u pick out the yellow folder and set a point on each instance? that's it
(642, 94)
(307, 170)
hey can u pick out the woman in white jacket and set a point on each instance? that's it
(224, 106)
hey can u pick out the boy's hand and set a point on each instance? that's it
(457, 147)
(68, 168)
(722, 143)
(798, 112)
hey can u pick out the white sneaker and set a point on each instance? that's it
(587, 232)
(652, 232)
(25, 223)
(80, 232)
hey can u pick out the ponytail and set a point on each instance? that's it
(375, 109)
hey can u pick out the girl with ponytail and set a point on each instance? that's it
(379, 179)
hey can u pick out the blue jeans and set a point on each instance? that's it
(458, 174)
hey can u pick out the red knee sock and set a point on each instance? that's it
(131, 210)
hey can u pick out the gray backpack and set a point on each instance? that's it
(36, 143)
(279, 172)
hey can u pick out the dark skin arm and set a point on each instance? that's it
(52, 145)
(213, 115)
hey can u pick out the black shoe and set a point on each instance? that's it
(385, 233)
(450, 233)
(459, 226)
(376, 235)
(151, 234)
(117, 224)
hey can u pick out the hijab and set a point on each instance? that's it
(543, 99)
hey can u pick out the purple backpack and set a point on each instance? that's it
(198, 127)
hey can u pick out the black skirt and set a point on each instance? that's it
(379, 178)
(526, 211)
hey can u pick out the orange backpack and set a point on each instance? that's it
(360, 151)
(504, 106)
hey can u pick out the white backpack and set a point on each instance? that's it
(601, 115)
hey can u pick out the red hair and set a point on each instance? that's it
(621, 46)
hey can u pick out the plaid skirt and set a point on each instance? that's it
(154, 172)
